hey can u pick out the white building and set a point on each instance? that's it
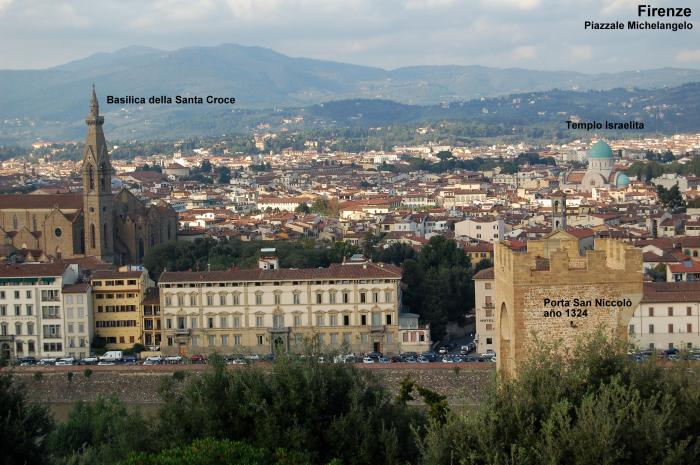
(485, 228)
(667, 317)
(351, 306)
(78, 316)
(484, 291)
(32, 319)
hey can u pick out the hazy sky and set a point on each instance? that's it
(535, 34)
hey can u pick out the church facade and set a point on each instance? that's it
(112, 227)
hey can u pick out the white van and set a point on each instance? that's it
(112, 356)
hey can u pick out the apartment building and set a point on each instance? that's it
(117, 302)
(152, 323)
(485, 228)
(79, 327)
(354, 306)
(31, 309)
(667, 317)
(484, 291)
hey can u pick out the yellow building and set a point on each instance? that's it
(117, 305)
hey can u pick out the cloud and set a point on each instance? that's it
(4, 4)
(526, 52)
(582, 52)
(424, 4)
(688, 55)
(511, 4)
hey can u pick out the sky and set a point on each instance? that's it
(533, 34)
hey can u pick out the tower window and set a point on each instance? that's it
(91, 178)
(58, 232)
(92, 236)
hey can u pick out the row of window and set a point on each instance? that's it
(17, 294)
(223, 299)
(78, 299)
(670, 311)
(120, 339)
(28, 310)
(278, 321)
(278, 283)
(115, 308)
(115, 324)
(116, 282)
(4, 331)
(128, 295)
(297, 339)
(671, 328)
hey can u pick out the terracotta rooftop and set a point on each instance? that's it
(32, 270)
(42, 201)
(486, 273)
(78, 288)
(671, 292)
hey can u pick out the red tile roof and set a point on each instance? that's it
(42, 201)
(32, 270)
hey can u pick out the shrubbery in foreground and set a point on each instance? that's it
(591, 406)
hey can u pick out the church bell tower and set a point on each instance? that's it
(97, 189)
(558, 210)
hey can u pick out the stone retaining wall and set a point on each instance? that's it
(461, 383)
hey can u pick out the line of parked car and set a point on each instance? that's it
(672, 354)
(117, 357)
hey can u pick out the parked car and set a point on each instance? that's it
(237, 361)
(89, 361)
(153, 360)
(26, 361)
(375, 355)
(130, 360)
(384, 360)
(422, 359)
(198, 358)
(174, 360)
(69, 361)
(443, 350)
(47, 361)
(367, 359)
(106, 363)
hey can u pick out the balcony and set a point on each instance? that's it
(488, 306)
(376, 328)
(182, 332)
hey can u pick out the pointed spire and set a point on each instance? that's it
(94, 106)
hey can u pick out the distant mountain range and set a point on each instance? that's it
(55, 100)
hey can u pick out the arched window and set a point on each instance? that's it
(91, 178)
(92, 236)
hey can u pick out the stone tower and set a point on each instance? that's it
(558, 210)
(97, 189)
(554, 293)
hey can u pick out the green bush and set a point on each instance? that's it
(585, 407)
(317, 411)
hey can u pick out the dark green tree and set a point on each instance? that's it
(671, 198)
(223, 174)
(24, 426)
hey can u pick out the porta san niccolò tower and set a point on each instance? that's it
(561, 289)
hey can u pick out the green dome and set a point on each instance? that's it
(622, 180)
(600, 150)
